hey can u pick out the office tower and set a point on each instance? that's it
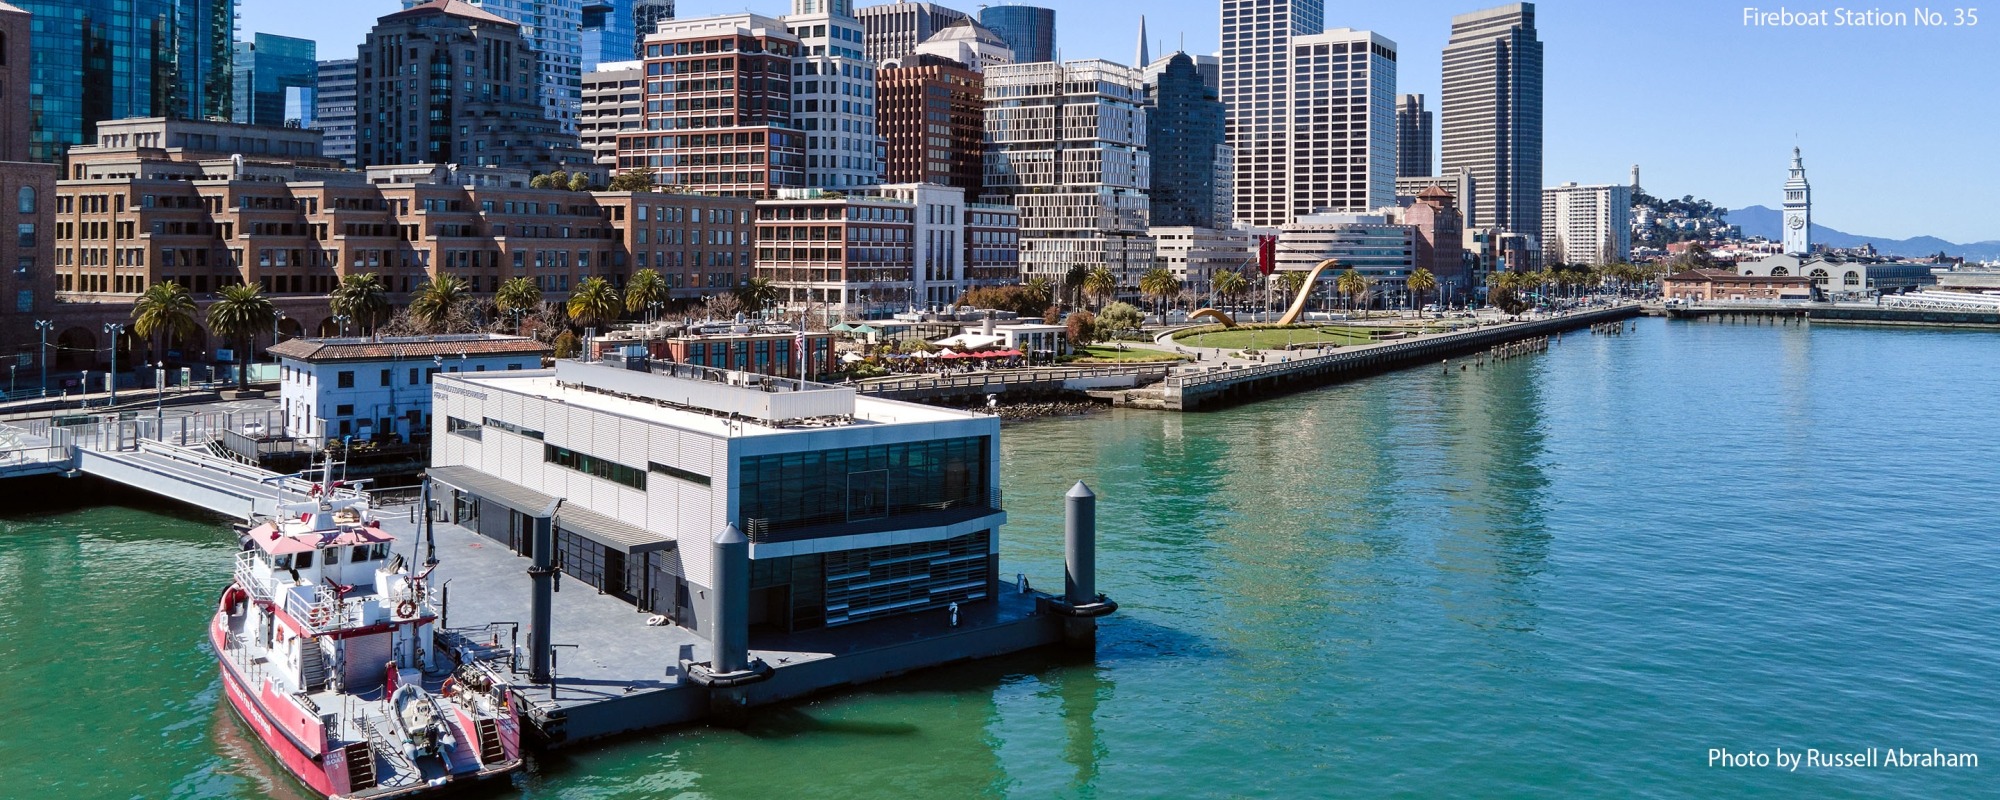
(968, 43)
(1210, 68)
(494, 121)
(1081, 190)
(1030, 30)
(646, 18)
(1492, 115)
(893, 30)
(608, 32)
(554, 31)
(932, 121)
(333, 108)
(1256, 79)
(269, 68)
(1413, 137)
(1586, 224)
(1798, 207)
(1184, 138)
(16, 62)
(1342, 145)
(833, 95)
(614, 101)
(134, 58)
(698, 136)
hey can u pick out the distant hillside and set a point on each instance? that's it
(1768, 223)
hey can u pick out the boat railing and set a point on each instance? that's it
(246, 576)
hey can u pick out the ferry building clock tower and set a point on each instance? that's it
(1798, 209)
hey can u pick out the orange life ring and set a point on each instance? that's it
(317, 616)
(407, 608)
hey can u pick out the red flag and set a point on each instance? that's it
(1267, 254)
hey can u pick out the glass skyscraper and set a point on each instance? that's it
(97, 60)
(270, 69)
(607, 32)
(1030, 30)
(1184, 127)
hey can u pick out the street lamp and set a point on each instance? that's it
(342, 320)
(115, 330)
(160, 401)
(44, 325)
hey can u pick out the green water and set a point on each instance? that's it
(1567, 575)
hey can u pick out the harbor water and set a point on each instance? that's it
(1574, 573)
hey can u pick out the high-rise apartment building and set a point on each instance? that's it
(1413, 137)
(614, 102)
(1586, 224)
(481, 105)
(1081, 189)
(1184, 139)
(893, 30)
(273, 72)
(1342, 143)
(554, 32)
(719, 101)
(608, 32)
(647, 15)
(833, 95)
(933, 121)
(1256, 87)
(1491, 115)
(97, 60)
(1030, 30)
(333, 108)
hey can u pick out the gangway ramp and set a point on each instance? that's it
(192, 476)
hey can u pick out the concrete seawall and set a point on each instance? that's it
(1208, 390)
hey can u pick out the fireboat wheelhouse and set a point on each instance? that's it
(325, 640)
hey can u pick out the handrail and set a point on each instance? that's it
(1048, 375)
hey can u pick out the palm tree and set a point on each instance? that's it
(758, 294)
(1073, 283)
(166, 310)
(1160, 284)
(433, 301)
(1292, 282)
(1421, 281)
(1100, 283)
(1042, 289)
(362, 298)
(1228, 284)
(644, 289)
(1354, 285)
(516, 297)
(594, 301)
(239, 313)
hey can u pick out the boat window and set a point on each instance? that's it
(282, 561)
(305, 559)
(381, 551)
(361, 553)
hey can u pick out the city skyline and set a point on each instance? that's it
(1698, 65)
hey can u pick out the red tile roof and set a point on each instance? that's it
(407, 347)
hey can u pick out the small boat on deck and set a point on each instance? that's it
(326, 648)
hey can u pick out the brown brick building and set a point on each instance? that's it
(1703, 285)
(297, 230)
(718, 108)
(932, 119)
(27, 196)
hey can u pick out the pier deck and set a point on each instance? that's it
(614, 673)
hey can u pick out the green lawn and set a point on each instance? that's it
(1275, 338)
(1097, 353)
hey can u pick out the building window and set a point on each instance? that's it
(344, 410)
(830, 487)
(344, 379)
(387, 377)
(676, 472)
(594, 466)
(27, 199)
(512, 428)
(465, 428)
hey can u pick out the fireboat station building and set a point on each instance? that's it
(730, 539)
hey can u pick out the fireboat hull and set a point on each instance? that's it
(307, 767)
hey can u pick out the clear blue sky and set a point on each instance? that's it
(1898, 125)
